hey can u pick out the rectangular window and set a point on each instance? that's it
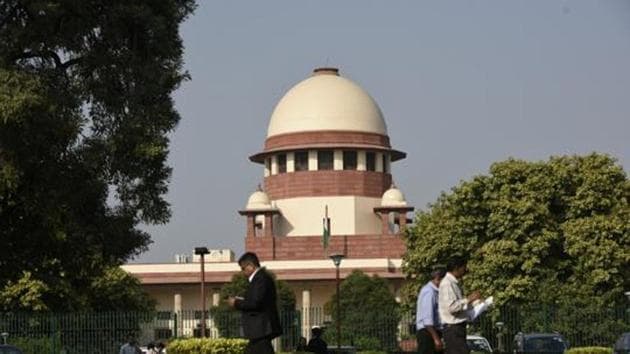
(349, 160)
(282, 163)
(385, 163)
(301, 160)
(370, 161)
(325, 160)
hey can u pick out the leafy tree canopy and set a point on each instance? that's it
(553, 232)
(85, 109)
(369, 313)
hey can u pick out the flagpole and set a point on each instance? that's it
(326, 231)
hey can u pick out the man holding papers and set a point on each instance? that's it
(454, 307)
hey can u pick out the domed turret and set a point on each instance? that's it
(393, 197)
(258, 200)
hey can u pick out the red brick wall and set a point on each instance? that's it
(310, 247)
(327, 183)
(326, 137)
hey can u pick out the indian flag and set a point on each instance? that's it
(326, 232)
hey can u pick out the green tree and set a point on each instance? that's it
(554, 233)
(369, 313)
(85, 109)
(550, 232)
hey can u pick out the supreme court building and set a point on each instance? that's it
(327, 148)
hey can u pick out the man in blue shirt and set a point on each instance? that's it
(428, 326)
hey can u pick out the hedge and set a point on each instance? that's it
(207, 346)
(589, 350)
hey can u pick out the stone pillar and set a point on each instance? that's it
(306, 314)
(312, 160)
(251, 225)
(379, 162)
(402, 222)
(274, 165)
(290, 162)
(177, 302)
(384, 223)
(338, 160)
(268, 225)
(177, 309)
(361, 161)
(216, 298)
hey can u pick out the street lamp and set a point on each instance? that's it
(627, 293)
(336, 258)
(500, 336)
(202, 251)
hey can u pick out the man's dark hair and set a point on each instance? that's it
(455, 263)
(438, 271)
(249, 257)
(316, 331)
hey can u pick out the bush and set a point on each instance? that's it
(589, 350)
(35, 345)
(207, 346)
(367, 344)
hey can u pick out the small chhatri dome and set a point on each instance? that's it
(393, 197)
(326, 101)
(258, 200)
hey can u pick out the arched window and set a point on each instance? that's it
(282, 163)
(301, 160)
(325, 160)
(370, 161)
(349, 160)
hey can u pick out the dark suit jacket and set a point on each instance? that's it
(259, 308)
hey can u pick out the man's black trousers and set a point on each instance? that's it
(455, 339)
(425, 342)
(259, 346)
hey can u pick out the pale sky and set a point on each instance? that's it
(462, 84)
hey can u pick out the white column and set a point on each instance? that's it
(306, 314)
(361, 161)
(177, 309)
(312, 160)
(216, 298)
(379, 162)
(177, 302)
(267, 166)
(338, 160)
(290, 162)
(274, 165)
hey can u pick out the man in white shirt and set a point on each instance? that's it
(453, 307)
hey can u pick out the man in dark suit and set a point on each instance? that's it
(261, 322)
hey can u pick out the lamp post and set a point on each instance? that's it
(336, 258)
(627, 293)
(500, 336)
(202, 251)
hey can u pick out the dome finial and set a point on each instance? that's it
(327, 70)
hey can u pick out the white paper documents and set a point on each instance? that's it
(479, 307)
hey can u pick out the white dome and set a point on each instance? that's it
(393, 197)
(258, 200)
(326, 101)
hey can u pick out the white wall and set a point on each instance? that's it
(349, 215)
